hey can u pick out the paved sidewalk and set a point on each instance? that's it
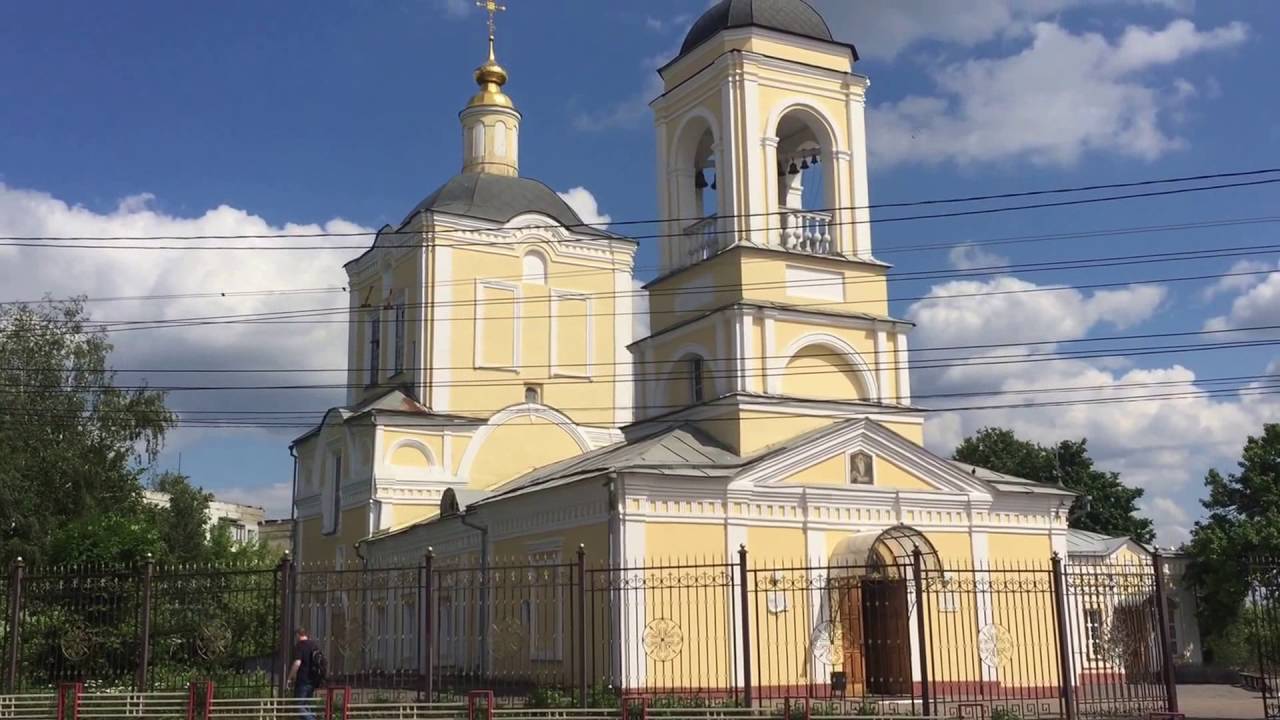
(1218, 701)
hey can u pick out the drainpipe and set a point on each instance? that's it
(484, 590)
(293, 508)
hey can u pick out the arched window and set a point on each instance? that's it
(535, 268)
(532, 394)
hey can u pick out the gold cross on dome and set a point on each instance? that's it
(493, 8)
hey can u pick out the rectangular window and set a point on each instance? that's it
(1171, 616)
(375, 345)
(1093, 631)
(337, 492)
(401, 331)
(695, 381)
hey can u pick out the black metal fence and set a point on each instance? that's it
(917, 637)
(1264, 608)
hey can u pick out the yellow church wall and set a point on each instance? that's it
(673, 543)
(409, 455)
(890, 474)
(836, 59)
(911, 431)
(314, 546)
(1029, 550)
(828, 472)
(493, 375)
(811, 372)
(758, 430)
(684, 295)
(518, 447)
(773, 546)
(404, 514)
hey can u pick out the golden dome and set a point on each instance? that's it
(491, 77)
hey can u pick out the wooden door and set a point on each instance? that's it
(888, 637)
(849, 607)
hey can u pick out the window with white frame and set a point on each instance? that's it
(1171, 617)
(1093, 628)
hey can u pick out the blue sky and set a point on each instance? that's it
(153, 118)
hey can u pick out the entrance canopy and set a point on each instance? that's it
(889, 551)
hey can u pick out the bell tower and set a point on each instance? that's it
(769, 294)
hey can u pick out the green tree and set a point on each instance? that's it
(1106, 505)
(73, 445)
(1243, 525)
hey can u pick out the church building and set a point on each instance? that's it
(492, 357)
(502, 408)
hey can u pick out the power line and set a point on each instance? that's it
(870, 353)
(914, 203)
(1006, 240)
(301, 317)
(930, 396)
(1248, 391)
(682, 374)
(933, 274)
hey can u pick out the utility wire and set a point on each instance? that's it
(870, 353)
(680, 373)
(914, 203)
(306, 317)
(1006, 240)
(719, 229)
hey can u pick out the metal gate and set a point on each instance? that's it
(1264, 596)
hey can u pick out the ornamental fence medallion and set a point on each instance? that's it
(663, 639)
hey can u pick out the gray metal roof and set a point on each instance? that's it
(795, 17)
(1011, 483)
(1085, 542)
(500, 198)
(683, 450)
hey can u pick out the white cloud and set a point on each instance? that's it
(1237, 280)
(30, 273)
(969, 257)
(884, 28)
(628, 113)
(275, 498)
(1258, 304)
(1163, 445)
(585, 204)
(1008, 309)
(457, 8)
(1061, 96)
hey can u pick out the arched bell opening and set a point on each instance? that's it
(806, 186)
(695, 188)
(871, 604)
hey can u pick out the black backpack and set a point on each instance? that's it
(319, 668)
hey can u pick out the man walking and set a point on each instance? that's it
(306, 674)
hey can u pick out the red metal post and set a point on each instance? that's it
(476, 695)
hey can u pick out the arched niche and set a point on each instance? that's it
(821, 365)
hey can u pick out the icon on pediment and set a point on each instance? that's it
(862, 469)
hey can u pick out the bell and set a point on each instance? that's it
(714, 180)
(804, 164)
(793, 170)
(700, 180)
(815, 158)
